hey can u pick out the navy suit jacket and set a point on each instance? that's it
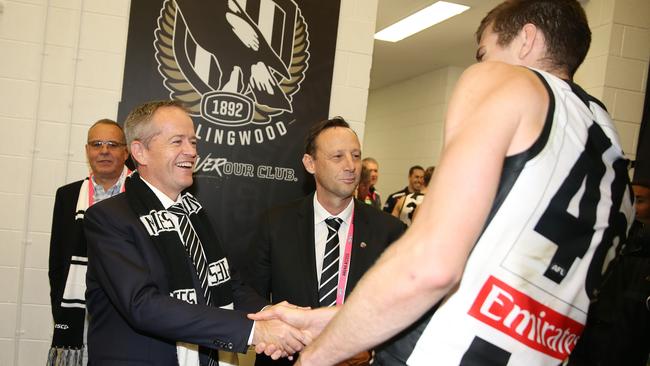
(133, 319)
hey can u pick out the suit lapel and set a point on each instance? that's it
(306, 258)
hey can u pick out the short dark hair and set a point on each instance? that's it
(428, 174)
(316, 129)
(369, 160)
(563, 23)
(414, 168)
(109, 122)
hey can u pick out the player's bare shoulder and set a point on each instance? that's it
(499, 95)
(492, 77)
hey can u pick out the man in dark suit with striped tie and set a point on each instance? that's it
(311, 252)
(160, 288)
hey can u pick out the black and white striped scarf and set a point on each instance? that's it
(70, 315)
(164, 232)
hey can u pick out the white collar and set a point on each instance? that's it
(163, 198)
(320, 213)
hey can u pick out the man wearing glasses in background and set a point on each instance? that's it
(106, 153)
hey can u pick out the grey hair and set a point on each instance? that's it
(138, 127)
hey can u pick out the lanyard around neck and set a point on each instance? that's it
(345, 264)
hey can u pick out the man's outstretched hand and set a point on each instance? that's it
(308, 323)
(275, 337)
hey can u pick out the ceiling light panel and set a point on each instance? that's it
(423, 19)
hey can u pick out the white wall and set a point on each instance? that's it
(616, 66)
(405, 125)
(355, 41)
(61, 68)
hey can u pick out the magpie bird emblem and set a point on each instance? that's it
(232, 62)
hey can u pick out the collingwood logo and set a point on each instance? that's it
(235, 63)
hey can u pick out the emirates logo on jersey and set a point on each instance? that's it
(537, 326)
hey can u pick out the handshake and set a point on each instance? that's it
(284, 329)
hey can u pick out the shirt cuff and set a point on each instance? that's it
(250, 337)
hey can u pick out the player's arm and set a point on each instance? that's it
(482, 127)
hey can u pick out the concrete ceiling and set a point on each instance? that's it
(448, 43)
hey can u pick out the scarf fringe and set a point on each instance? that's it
(58, 356)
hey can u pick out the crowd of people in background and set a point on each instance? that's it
(401, 204)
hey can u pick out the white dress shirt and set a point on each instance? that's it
(320, 231)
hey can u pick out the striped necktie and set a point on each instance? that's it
(193, 246)
(329, 277)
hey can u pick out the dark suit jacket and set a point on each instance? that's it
(133, 319)
(284, 264)
(64, 234)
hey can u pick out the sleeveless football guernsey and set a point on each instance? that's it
(561, 209)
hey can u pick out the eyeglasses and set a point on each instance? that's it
(111, 145)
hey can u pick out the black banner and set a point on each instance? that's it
(642, 164)
(255, 75)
